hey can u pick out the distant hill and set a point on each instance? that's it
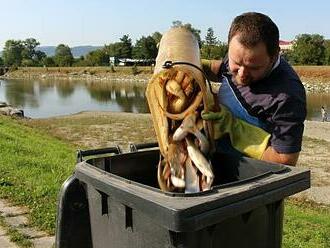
(77, 51)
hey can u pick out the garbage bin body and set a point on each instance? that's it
(243, 209)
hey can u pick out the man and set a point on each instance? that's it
(260, 88)
(324, 114)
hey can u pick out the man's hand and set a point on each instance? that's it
(246, 138)
(211, 68)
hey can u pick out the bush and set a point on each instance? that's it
(135, 70)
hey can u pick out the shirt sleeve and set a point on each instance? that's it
(289, 125)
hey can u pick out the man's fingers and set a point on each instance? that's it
(211, 115)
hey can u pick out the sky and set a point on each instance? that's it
(100, 22)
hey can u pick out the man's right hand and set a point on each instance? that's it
(244, 137)
(211, 68)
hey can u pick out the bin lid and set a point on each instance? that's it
(186, 212)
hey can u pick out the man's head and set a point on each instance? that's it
(253, 41)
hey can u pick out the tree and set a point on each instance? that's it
(17, 52)
(327, 52)
(48, 61)
(126, 47)
(188, 26)
(214, 51)
(12, 52)
(97, 58)
(63, 55)
(1, 62)
(122, 49)
(38, 57)
(145, 48)
(29, 51)
(157, 37)
(309, 49)
(113, 49)
(212, 48)
(210, 39)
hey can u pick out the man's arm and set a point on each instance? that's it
(211, 68)
(271, 155)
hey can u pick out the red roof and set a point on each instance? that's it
(283, 42)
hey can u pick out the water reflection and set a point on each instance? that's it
(129, 96)
(45, 98)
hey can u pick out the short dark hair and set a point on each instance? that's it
(254, 28)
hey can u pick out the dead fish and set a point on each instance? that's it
(189, 125)
(161, 180)
(176, 156)
(191, 178)
(192, 107)
(198, 159)
(178, 182)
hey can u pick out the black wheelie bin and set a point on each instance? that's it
(113, 200)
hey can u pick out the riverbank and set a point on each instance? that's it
(315, 79)
(141, 73)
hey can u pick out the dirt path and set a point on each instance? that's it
(103, 129)
(315, 155)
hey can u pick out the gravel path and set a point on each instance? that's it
(315, 155)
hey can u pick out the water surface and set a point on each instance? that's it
(47, 98)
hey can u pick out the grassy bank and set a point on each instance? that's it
(321, 73)
(97, 72)
(33, 165)
(32, 168)
(315, 74)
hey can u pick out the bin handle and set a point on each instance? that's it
(84, 153)
(136, 147)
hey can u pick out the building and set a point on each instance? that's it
(285, 45)
(130, 62)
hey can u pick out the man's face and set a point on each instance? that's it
(248, 64)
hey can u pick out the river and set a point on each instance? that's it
(47, 98)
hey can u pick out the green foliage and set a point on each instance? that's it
(63, 55)
(79, 61)
(157, 37)
(1, 61)
(97, 58)
(188, 26)
(48, 61)
(122, 49)
(327, 52)
(214, 51)
(308, 49)
(210, 39)
(145, 48)
(38, 57)
(22, 53)
(12, 52)
(27, 62)
(126, 47)
(29, 46)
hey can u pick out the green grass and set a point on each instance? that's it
(33, 166)
(306, 225)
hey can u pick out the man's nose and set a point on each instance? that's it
(241, 71)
